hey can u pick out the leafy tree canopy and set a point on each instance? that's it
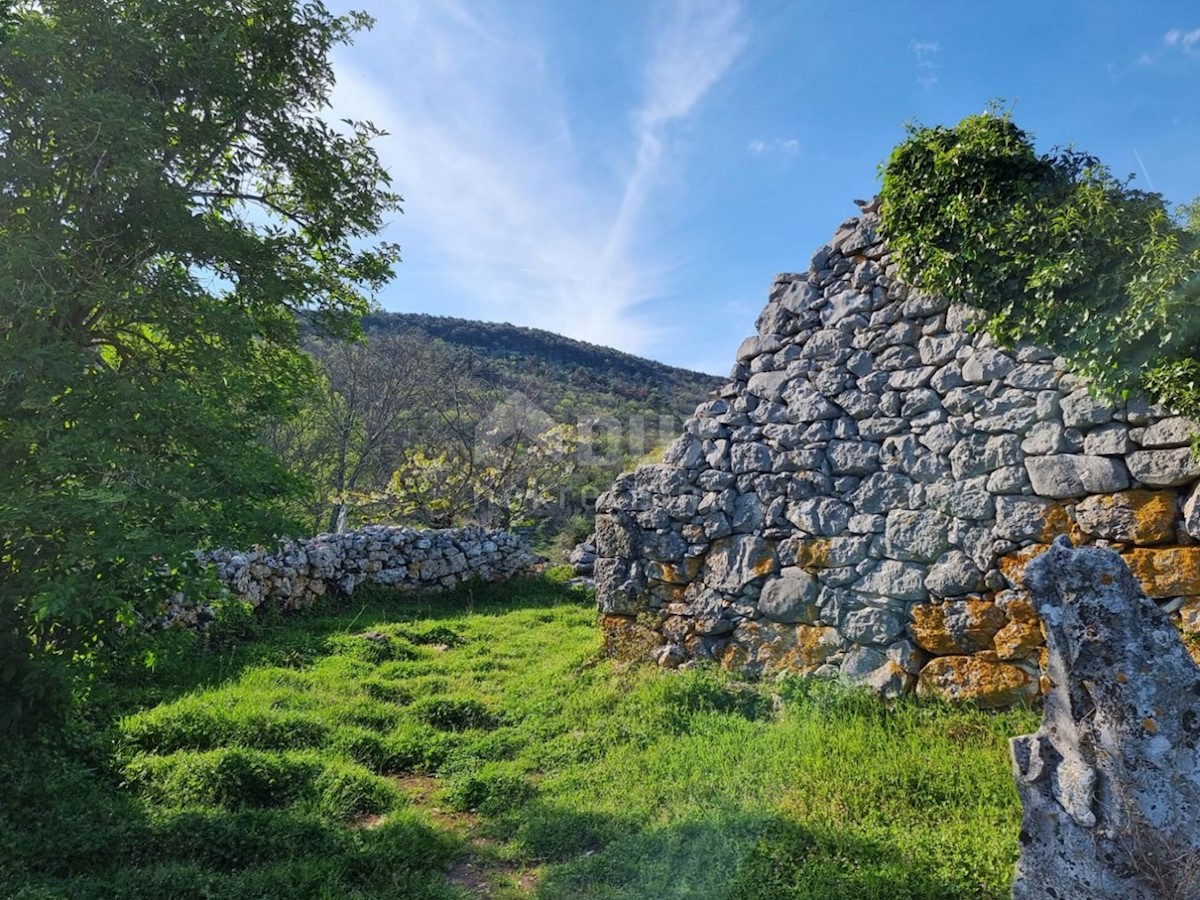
(1055, 249)
(172, 203)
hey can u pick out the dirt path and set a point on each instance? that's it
(480, 872)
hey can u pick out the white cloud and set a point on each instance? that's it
(1177, 40)
(778, 147)
(500, 200)
(927, 66)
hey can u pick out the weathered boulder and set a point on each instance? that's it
(1110, 783)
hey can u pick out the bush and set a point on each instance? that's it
(1054, 248)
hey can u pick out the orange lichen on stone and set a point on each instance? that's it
(1166, 571)
(985, 683)
(1150, 725)
(764, 564)
(770, 647)
(1136, 517)
(1012, 565)
(628, 638)
(1057, 520)
(1189, 616)
(675, 573)
(812, 554)
(958, 627)
(1023, 633)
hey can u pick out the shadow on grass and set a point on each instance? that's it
(296, 639)
(65, 832)
(733, 857)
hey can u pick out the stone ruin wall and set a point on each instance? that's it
(861, 498)
(298, 573)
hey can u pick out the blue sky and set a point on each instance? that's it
(633, 173)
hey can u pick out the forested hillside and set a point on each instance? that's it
(575, 378)
(437, 421)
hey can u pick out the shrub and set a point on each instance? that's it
(1054, 248)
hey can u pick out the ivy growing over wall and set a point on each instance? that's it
(1055, 249)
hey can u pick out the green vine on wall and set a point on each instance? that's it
(1055, 249)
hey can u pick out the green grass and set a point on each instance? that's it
(367, 751)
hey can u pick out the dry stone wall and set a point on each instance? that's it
(861, 498)
(297, 573)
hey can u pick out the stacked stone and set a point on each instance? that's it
(860, 499)
(583, 557)
(297, 573)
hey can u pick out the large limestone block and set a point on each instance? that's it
(1110, 783)
(1164, 468)
(987, 683)
(790, 598)
(734, 562)
(958, 628)
(1138, 517)
(1069, 475)
(1167, 571)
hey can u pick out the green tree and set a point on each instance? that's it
(1055, 249)
(172, 204)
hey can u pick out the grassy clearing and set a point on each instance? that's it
(477, 744)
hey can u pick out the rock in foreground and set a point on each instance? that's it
(1110, 783)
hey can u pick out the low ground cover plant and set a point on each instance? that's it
(498, 751)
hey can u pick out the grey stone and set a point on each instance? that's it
(899, 580)
(853, 457)
(1107, 440)
(860, 663)
(806, 405)
(1009, 480)
(987, 365)
(844, 305)
(882, 492)
(1022, 518)
(947, 378)
(968, 499)
(1110, 782)
(768, 385)
(750, 458)
(1191, 513)
(792, 597)
(748, 513)
(937, 351)
(1176, 431)
(907, 655)
(953, 575)
(616, 537)
(1064, 476)
(1081, 410)
(820, 516)
(1045, 438)
(758, 344)
(917, 535)
(1031, 376)
(1164, 468)
(872, 626)
(734, 562)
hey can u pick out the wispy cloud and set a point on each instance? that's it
(926, 53)
(1142, 165)
(501, 201)
(777, 147)
(1177, 40)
